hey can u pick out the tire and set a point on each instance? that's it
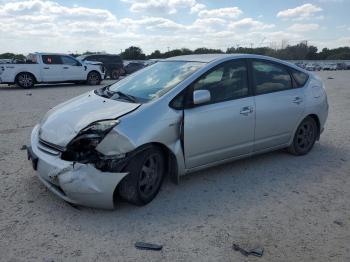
(93, 78)
(25, 80)
(115, 74)
(146, 173)
(304, 137)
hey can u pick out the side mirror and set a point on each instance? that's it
(201, 97)
(78, 64)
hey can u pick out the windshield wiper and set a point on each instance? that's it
(122, 95)
(107, 93)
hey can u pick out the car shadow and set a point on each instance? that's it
(275, 172)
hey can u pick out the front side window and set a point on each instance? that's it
(66, 60)
(227, 82)
(156, 80)
(270, 77)
(52, 59)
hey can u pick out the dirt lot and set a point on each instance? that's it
(297, 208)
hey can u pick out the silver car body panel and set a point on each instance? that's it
(76, 183)
(63, 122)
(211, 133)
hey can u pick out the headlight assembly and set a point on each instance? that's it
(82, 147)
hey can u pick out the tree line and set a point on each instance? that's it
(299, 51)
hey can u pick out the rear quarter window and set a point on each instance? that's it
(300, 77)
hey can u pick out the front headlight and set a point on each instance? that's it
(82, 147)
(100, 127)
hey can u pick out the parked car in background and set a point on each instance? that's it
(342, 66)
(50, 68)
(5, 61)
(175, 117)
(132, 67)
(310, 67)
(301, 65)
(113, 64)
(317, 66)
(329, 67)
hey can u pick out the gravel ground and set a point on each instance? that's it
(297, 208)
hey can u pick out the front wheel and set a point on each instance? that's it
(146, 172)
(115, 74)
(25, 80)
(93, 78)
(304, 138)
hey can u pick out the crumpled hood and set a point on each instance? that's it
(63, 122)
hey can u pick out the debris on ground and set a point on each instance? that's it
(338, 222)
(148, 246)
(24, 147)
(29, 94)
(330, 77)
(257, 251)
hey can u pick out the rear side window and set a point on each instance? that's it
(52, 59)
(300, 77)
(270, 77)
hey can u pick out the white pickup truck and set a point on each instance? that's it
(51, 68)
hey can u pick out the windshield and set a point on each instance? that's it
(155, 80)
(81, 58)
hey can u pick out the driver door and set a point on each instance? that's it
(222, 128)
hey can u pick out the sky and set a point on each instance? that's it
(70, 26)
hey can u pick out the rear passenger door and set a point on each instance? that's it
(51, 68)
(279, 104)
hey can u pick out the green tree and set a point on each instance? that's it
(133, 53)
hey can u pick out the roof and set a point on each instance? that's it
(208, 58)
(204, 58)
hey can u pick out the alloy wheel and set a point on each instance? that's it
(306, 135)
(150, 175)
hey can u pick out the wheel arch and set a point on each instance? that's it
(170, 164)
(96, 71)
(317, 120)
(170, 158)
(26, 72)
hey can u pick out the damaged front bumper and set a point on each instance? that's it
(76, 183)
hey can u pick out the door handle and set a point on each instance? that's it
(297, 100)
(46, 67)
(246, 110)
(65, 67)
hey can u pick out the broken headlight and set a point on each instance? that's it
(82, 147)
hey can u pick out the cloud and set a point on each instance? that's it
(40, 25)
(250, 23)
(301, 12)
(303, 27)
(197, 7)
(228, 12)
(163, 6)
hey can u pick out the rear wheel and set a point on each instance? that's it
(146, 172)
(115, 74)
(25, 80)
(93, 78)
(304, 138)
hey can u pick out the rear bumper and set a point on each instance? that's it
(76, 183)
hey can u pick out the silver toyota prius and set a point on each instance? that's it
(174, 117)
